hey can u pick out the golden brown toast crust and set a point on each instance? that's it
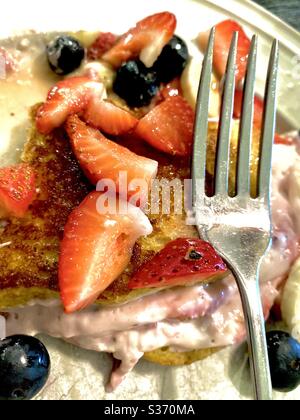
(30, 258)
(29, 261)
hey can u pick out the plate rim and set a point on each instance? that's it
(244, 6)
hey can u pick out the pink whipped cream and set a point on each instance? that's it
(186, 318)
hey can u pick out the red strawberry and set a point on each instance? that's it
(17, 189)
(146, 39)
(95, 250)
(109, 118)
(286, 140)
(103, 43)
(169, 126)
(181, 262)
(276, 312)
(224, 33)
(70, 96)
(258, 108)
(102, 158)
(257, 115)
(238, 101)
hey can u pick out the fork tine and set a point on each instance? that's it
(269, 124)
(201, 122)
(245, 137)
(222, 161)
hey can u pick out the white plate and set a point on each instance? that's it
(78, 374)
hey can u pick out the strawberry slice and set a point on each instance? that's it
(169, 126)
(109, 118)
(224, 34)
(17, 190)
(146, 39)
(102, 158)
(285, 140)
(258, 108)
(181, 262)
(257, 115)
(96, 249)
(67, 97)
(103, 43)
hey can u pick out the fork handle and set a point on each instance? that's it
(256, 332)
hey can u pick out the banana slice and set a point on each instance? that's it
(190, 83)
(290, 304)
(104, 72)
(85, 37)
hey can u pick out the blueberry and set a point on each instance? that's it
(172, 60)
(135, 83)
(24, 367)
(284, 356)
(65, 54)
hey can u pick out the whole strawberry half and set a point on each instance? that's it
(181, 262)
(96, 249)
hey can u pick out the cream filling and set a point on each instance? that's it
(130, 330)
(183, 319)
(105, 321)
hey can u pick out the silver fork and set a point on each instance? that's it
(239, 227)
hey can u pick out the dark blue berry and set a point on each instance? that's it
(172, 60)
(65, 54)
(284, 356)
(24, 367)
(135, 83)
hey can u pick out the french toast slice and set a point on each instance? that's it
(30, 246)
